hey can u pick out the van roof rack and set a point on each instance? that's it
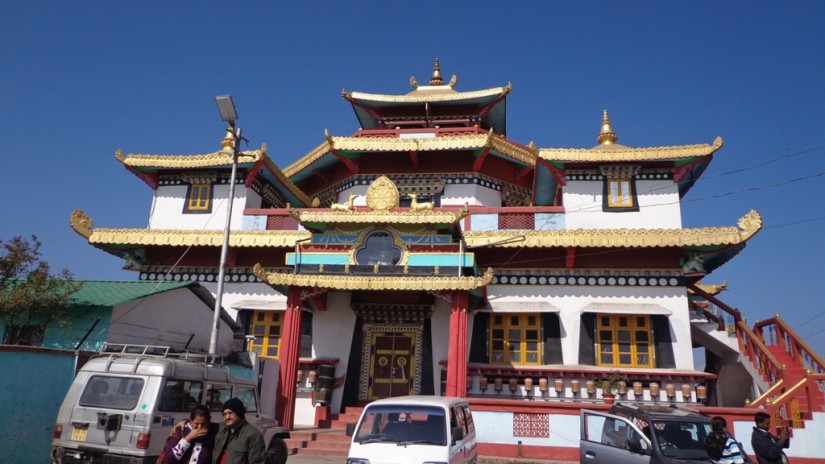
(159, 351)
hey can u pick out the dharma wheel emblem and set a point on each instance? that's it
(382, 194)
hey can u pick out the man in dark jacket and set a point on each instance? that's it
(237, 442)
(767, 447)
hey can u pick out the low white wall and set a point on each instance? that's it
(497, 427)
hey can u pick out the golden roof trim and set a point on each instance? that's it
(710, 289)
(378, 217)
(348, 282)
(218, 158)
(83, 225)
(524, 155)
(630, 154)
(425, 97)
(748, 225)
(284, 179)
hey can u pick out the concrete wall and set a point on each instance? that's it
(31, 401)
(169, 200)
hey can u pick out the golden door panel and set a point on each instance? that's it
(391, 362)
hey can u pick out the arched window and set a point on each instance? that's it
(378, 249)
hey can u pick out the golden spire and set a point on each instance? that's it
(606, 136)
(228, 141)
(436, 79)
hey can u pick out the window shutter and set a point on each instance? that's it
(552, 338)
(664, 344)
(478, 343)
(587, 348)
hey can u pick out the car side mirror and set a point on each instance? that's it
(458, 433)
(350, 429)
(635, 445)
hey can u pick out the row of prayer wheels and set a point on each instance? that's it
(590, 388)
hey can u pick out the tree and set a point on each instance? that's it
(31, 297)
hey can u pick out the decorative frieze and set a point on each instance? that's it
(635, 278)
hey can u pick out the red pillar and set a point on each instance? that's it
(457, 353)
(289, 350)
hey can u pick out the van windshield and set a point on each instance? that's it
(110, 392)
(682, 439)
(402, 424)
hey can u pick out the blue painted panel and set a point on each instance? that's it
(549, 221)
(31, 399)
(424, 259)
(257, 222)
(484, 221)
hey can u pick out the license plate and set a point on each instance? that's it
(79, 434)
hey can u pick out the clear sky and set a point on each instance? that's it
(82, 79)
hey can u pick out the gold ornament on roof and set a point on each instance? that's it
(383, 195)
(606, 136)
(436, 79)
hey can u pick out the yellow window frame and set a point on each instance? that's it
(266, 329)
(199, 197)
(620, 193)
(515, 339)
(624, 340)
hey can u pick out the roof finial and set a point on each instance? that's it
(228, 142)
(606, 136)
(436, 79)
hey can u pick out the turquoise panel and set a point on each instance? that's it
(257, 222)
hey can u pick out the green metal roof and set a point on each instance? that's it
(115, 292)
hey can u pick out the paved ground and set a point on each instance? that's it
(304, 459)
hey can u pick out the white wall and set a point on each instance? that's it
(169, 317)
(169, 201)
(473, 194)
(571, 300)
(332, 336)
(497, 427)
(658, 207)
(440, 325)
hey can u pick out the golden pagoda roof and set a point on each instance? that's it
(615, 152)
(429, 94)
(347, 282)
(748, 226)
(219, 158)
(521, 154)
(132, 238)
(378, 217)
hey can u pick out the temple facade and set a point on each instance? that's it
(428, 253)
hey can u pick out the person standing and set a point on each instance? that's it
(722, 448)
(190, 441)
(768, 448)
(238, 441)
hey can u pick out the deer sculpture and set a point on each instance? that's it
(416, 206)
(348, 206)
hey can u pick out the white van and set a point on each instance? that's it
(122, 405)
(414, 429)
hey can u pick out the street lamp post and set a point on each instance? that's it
(227, 109)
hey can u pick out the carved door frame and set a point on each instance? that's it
(367, 356)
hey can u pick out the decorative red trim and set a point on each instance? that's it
(352, 166)
(321, 175)
(253, 174)
(522, 173)
(557, 173)
(546, 453)
(414, 158)
(489, 107)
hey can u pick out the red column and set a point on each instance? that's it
(289, 350)
(457, 353)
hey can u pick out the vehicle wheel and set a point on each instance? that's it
(277, 452)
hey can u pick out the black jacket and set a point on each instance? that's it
(244, 445)
(768, 448)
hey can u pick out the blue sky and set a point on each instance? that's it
(82, 79)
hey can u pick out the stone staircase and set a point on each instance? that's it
(328, 439)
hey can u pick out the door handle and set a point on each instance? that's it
(590, 455)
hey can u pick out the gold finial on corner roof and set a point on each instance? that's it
(606, 136)
(228, 140)
(436, 79)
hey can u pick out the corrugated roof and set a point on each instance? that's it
(115, 292)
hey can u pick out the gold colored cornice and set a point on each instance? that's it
(630, 154)
(426, 97)
(207, 160)
(711, 289)
(378, 217)
(524, 155)
(169, 237)
(748, 225)
(339, 282)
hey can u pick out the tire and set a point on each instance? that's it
(277, 451)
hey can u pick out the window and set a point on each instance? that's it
(112, 392)
(620, 194)
(624, 340)
(26, 335)
(515, 339)
(266, 330)
(379, 248)
(217, 395)
(180, 395)
(247, 397)
(199, 199)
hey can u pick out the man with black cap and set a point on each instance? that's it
(237, 442)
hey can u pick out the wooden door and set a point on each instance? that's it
(392, 364)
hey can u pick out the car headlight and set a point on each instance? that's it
(358, 461)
